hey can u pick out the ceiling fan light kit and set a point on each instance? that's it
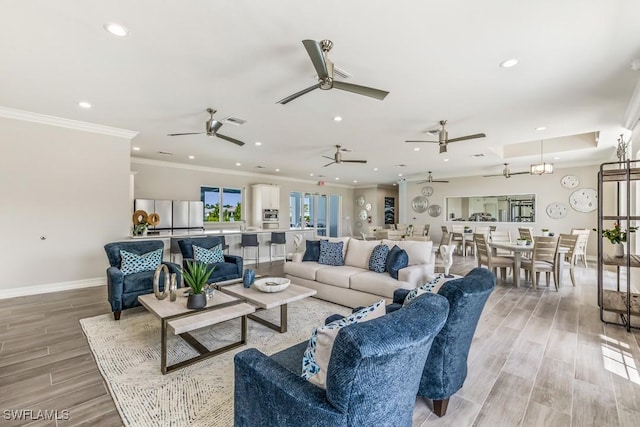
(542, 167)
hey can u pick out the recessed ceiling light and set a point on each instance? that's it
(541, 128)
(258, 143)
(416, 149)
(355, 180)
(277, 170)
(116, 29)
(375, 169)
(556, 158)
(337, 179)
(136, 148)
(399, 174)
(238, 164)
(337, 119)
(394, 184)
(192, 157)
(445, 160)
(509, 63)
(310, 174)
(84, 104)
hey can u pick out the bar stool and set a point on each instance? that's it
(225, 247)
(277, 238)
(251, 240)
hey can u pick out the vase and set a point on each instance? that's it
(545, 234)
(195, 301)
(618, 250)
(248, 278)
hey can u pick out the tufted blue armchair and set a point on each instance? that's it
(446, 367)
(372, 378)
(231, 268)
(123, 290)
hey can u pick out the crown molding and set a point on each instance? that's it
(162, 163)
(28, 116)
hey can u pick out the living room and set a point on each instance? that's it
(85, 117)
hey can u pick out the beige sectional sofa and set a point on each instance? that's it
(353, 284)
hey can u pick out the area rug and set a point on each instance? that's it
(128, 355)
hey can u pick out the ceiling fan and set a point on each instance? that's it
(443, 137)
(430, 179)
(337, 158)
(211, 129)
(324, 67)
(506, 172)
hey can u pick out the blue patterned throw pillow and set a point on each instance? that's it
(208, 256)
(378, 258)
(315, 360)
(331, 253)
(312, 253)
(134, 263)
(396, 260)
(427, 287)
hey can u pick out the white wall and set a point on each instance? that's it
(547, 189)
(162, 180)
(69, 186)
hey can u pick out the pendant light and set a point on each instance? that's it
(542, 167)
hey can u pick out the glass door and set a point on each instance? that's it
(334, 215)
(321, 215)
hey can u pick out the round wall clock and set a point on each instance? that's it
(360, 201)
(368, 206)
(434, 210)
(362, 215)
(570, 181)
(427, 191)
(557, 210)
(584, 200)
(419, 204)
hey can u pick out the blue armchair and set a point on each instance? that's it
(372, 379)
(231, 268)
(123, 290)
(446, 367)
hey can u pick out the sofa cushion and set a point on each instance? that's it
(418, 252)
(396, 260)
(304, 270)
(377, 283)
(315, 361)
(331, 253)
(337, 276)
(359, 252)
(312, 253)
(427, 287)
(134, 263)
(344, 240)
(208, 256)
(378, 258)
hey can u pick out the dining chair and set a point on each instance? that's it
(581, 244)
(501, 237)
(458, 238)
(543, 258)
(444, 229)
(493, 227)
(485, 257)
(425, 230)
(526, 233)
(569, 241)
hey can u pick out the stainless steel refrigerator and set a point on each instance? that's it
(188, 214)
(162, 207)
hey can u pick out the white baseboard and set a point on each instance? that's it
(52, 287)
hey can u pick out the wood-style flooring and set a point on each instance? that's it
(539, 358)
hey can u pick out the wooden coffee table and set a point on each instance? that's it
(267, 300)
(180, 320)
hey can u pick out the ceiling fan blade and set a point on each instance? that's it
(330, 158)
(412, 140)
(519, 173)
(424, 181)
(497, 174)
(317, 58)
(188, 133)
(361, 90)
(228, 138)
(354, 161)
(328, 164)
(443, 148)
(463, 138)
(298, 94)
(440, 180)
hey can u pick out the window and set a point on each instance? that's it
(311, 211)
(230, 199)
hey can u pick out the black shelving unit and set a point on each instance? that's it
(621, 301)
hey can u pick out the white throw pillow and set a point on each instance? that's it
(359, 252)
(419, 252)
(315, 361)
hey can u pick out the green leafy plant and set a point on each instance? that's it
(615, 234)
(196, 275)
(545, 230)
(140, 228)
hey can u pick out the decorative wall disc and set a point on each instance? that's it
(557, 210)
(359, 224)
(427, 191)
(570, 181)
(362, 215)
(584, 200)
(434, 210)
(368, 206)
(419, 204)
(360, 201)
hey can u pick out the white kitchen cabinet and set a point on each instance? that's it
(263, 196)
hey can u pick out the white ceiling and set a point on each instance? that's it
(438, 60)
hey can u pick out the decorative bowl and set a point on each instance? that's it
(272, 284)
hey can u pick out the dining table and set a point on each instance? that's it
(518, 250)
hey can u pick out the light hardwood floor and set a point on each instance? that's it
(539, 358)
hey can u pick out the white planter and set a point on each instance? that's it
(545, 234)
(618, 250)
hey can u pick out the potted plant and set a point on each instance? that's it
(545, 232)
(617, 237)
(140, 229)
(196, 275)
